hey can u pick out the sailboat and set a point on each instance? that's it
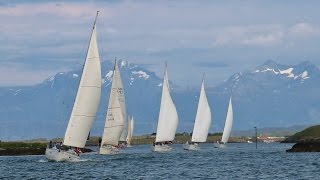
(227, 127)
(130, 131)
(84, 109)
(168, 119)
(202, 122)
(116, 115)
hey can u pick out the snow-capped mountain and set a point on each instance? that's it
(43, 110)
(270, 95)
(273, 95)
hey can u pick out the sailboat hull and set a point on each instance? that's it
(161, 148)
(191, 147)
(54, 154)
(108, 150)
(218, 145)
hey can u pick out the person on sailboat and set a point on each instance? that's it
(99, 141)
(50, 144)
(77, 151)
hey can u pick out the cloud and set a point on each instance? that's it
(304, 29)
(45, 36)
(210, 64)
(70, 10)
(263, 35)
(20, 76)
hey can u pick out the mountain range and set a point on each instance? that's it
(270, 95)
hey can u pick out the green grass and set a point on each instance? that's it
(17, 145)
(312, 132)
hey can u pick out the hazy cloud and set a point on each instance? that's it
(208, 64)
(264, 35)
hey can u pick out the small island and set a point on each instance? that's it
(307, 140)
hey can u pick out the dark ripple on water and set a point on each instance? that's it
(238, 161)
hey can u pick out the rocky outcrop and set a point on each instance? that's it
(307, 146)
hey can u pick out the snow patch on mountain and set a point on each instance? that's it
(141, 74)
(131, 81)
(109, 75)
(51, 78)
(123, 63)
(287, 72)
(268, 69)
(107, 78)
(303, 76)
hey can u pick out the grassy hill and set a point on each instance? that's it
(310, 134)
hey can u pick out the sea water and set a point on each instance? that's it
(237, 161)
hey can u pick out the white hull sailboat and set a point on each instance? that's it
(227, 128)
(116, 115)
(168, 119)
(84, 109)
(161, 148)
(130, 131)
(202, 122)
(54, 154)
(191, 147)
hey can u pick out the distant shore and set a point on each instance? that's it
(38, 147)
(21, 148)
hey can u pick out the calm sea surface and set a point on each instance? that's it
(238, 161)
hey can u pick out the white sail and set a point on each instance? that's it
(116, 114)
(124, 133)
(87, 100)
(168, 116)
(228, 124)
(130, 130)
(203, 118)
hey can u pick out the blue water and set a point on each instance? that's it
(238, 161)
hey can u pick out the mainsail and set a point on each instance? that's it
(116, 114)
(228, 124)
(88, 97)
(203, 118)
(168, 116)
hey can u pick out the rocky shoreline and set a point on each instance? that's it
(307, 146)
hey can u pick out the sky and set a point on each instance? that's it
(218, 38)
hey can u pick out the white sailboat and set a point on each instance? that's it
(202, 122)
(227, 127)
(168, 119)
(84, 109)
(116, 115)
(130, 131)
